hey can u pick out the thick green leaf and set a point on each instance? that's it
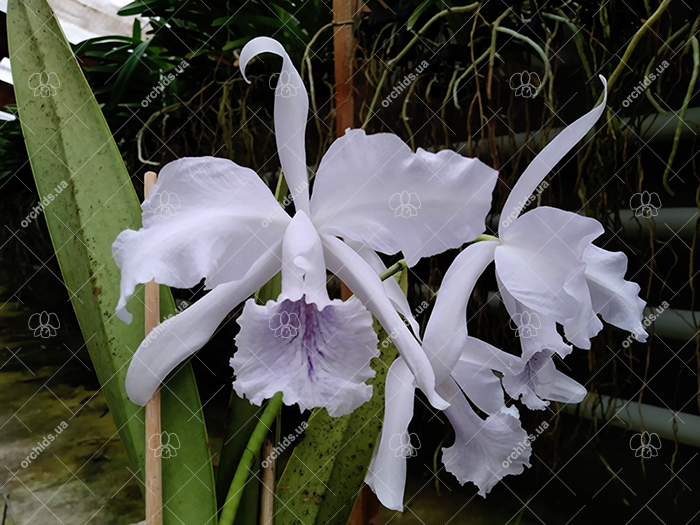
(325, 473)
(80, 174)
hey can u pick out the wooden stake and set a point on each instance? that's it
(344, 44)
(267, 498)
(154, 477)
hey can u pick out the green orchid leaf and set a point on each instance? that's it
(80, 174)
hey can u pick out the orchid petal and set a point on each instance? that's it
(615, 299)
(446, 334)
(291, 110)
(387, 471)
(177, 338)
(483, 450)
(545, 161)
(546, 337)
(205, 217)
(322, 363)
(475, 377)
(540, 381)
(391, 286)
(375, 190)
(314, 350)
(539, 263)
(350, 268)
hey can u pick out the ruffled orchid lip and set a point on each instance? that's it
(316, 355)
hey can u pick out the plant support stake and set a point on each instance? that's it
(154, 478)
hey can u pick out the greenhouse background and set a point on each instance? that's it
(497, 80)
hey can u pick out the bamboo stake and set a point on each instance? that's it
(154, 479)
(267, 498)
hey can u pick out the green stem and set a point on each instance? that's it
(393, 270)
(233, 498)
(485, 237)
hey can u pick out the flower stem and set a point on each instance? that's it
(393, 270)
(233, 498)
(485, 237)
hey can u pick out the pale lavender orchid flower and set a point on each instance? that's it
(230, 230)
(548, 271)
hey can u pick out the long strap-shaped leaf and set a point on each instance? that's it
(78, 169)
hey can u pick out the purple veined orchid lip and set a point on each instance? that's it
(322, 362)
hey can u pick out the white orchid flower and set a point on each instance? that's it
(548, 271)
(230, 230)
(547, 266)
(464, 370)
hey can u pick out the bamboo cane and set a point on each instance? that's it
(154, 478)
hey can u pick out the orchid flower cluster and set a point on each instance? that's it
(372, 194)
